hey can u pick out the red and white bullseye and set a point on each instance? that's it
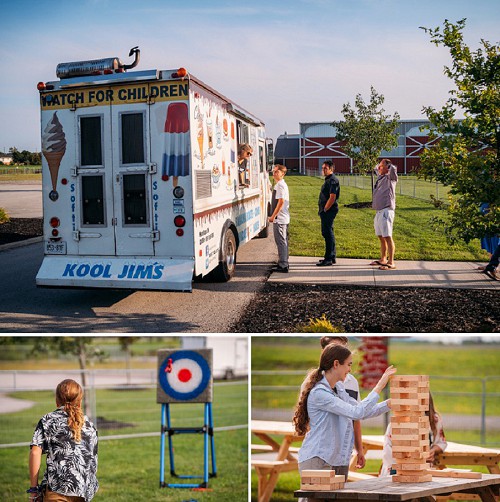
(186, 376)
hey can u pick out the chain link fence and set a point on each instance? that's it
(469, 406)
(122, 403)
(408, 185)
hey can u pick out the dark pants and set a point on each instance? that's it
(327, 232)
(495, 259)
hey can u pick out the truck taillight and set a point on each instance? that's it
(179, 232)
(54, 222)
(55, 232)
(179, 221)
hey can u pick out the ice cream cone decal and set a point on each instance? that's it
(53, 149)
(176, 146)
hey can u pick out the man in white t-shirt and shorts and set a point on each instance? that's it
(280, 217)
(384, 202)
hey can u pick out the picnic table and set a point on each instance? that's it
(276, 455)
(455, 454)
(385, 490)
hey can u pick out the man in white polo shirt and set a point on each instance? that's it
(384, 202)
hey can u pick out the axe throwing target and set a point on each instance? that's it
(184, 376)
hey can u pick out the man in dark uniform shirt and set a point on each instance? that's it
(328, 209)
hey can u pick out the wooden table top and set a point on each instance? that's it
(384, 489)
(272, 427)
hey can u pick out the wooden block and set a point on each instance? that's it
(317, 473)
(402, 455)
(424, 478)
(307, 480)
(410, 421)
(422, 466)
(409, 378)
(415, 407)
(411, 449)
(409, 431)
(450, 473)
(409, 393)
(318, 488)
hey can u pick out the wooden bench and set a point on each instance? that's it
(268, 472)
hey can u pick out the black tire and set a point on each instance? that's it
(227, 265)
(264, 233)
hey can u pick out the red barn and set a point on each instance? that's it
(317, 143)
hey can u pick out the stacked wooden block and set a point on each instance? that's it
(316, 480)
(410, 428)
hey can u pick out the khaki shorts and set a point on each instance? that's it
(57, 497)
(384, 221)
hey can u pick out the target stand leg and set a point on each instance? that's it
(206, 430)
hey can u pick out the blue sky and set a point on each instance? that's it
(285, 61)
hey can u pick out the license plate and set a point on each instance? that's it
(55, 247)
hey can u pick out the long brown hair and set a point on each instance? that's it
(69, 394)
(330, 354)
(432, 416)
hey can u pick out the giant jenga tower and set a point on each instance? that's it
(410, 428)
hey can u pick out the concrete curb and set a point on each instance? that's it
(18, 244)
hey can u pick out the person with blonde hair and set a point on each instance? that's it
(245, 151)
(69, 439)
(325, 412)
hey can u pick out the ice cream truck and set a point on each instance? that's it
(141, 185)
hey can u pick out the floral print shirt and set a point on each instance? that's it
(71, 467)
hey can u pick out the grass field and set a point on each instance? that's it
(129, 468)
(20, 173)
(476, 360)
(301, 353)
(354, 233)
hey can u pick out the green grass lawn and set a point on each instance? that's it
(129, 468)
(354, 234)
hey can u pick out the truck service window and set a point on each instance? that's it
(134, 199)
(90, 141)
(92, 200)
(132, 138)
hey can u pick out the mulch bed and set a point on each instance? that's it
(19, 229)
(283, 308)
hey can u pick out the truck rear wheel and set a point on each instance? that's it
(227, 265)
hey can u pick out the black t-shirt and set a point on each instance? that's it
(331, 185)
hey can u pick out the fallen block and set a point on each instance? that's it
(450, 473)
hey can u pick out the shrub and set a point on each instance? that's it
(319, 325)
(4, 217)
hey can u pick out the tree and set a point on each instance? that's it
(125, 343)
(367, 130)
(78, 346)
(466, 156)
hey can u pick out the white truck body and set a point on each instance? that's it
(140, 181)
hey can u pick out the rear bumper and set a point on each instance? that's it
(116, 272)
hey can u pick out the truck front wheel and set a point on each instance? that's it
(227, 265)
